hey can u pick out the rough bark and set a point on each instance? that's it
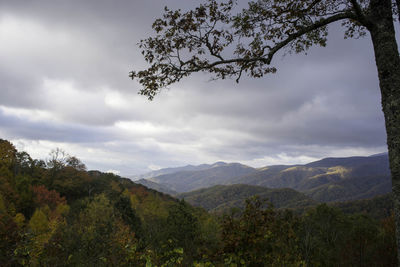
(398, 9)
(388, 65)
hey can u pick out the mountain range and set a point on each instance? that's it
(326, 180)
(175, 170)
(216, 174)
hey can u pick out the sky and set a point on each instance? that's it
(64, 84)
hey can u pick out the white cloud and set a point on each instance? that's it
(113, 171)
(29, 114)
(154, 167)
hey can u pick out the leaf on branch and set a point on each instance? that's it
(217, 38)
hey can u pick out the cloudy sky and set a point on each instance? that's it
(64, 83)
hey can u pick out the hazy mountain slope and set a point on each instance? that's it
(330, 179)
(262, 174)
(175, 170)
(297, 177)
(379, 161)
(192, 180)
(156, 186)
(326, 180)
(222, 198)
(351, 189)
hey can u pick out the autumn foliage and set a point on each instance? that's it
(62, 215)
(43, 197)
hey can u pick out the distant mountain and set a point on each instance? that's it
(351, 188)
(326, 180)
(174, 170)
(215, 174)
(221, 198)
(380, 154)
(330, 179)
(380, 162)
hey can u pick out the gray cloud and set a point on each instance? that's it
(63, 74)
(16, 127)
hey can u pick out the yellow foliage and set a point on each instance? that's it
(134, 201)
(153, 206)
(338, 170)
(299, 168)
(126, 193)
(39, 222)
(19, 219)
(62, 209)
(37, 246)
(46, 210)
(44, 223)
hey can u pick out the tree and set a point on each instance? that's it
(58, 159)
(9, 236)
(200, 40)
(322, 234)
(260, 237)
(183, 229)
(7, 157)
(75, 163)
(51, 198)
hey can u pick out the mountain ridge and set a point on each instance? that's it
(185, 181)
(325, 180)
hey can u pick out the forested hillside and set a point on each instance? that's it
(56, 213)
(222, 198)
(377, 207)
(156, 186)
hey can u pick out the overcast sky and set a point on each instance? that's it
(64, 83)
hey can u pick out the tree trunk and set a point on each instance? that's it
(398, 9)
(388, 65)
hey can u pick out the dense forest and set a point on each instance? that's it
(56, 213)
